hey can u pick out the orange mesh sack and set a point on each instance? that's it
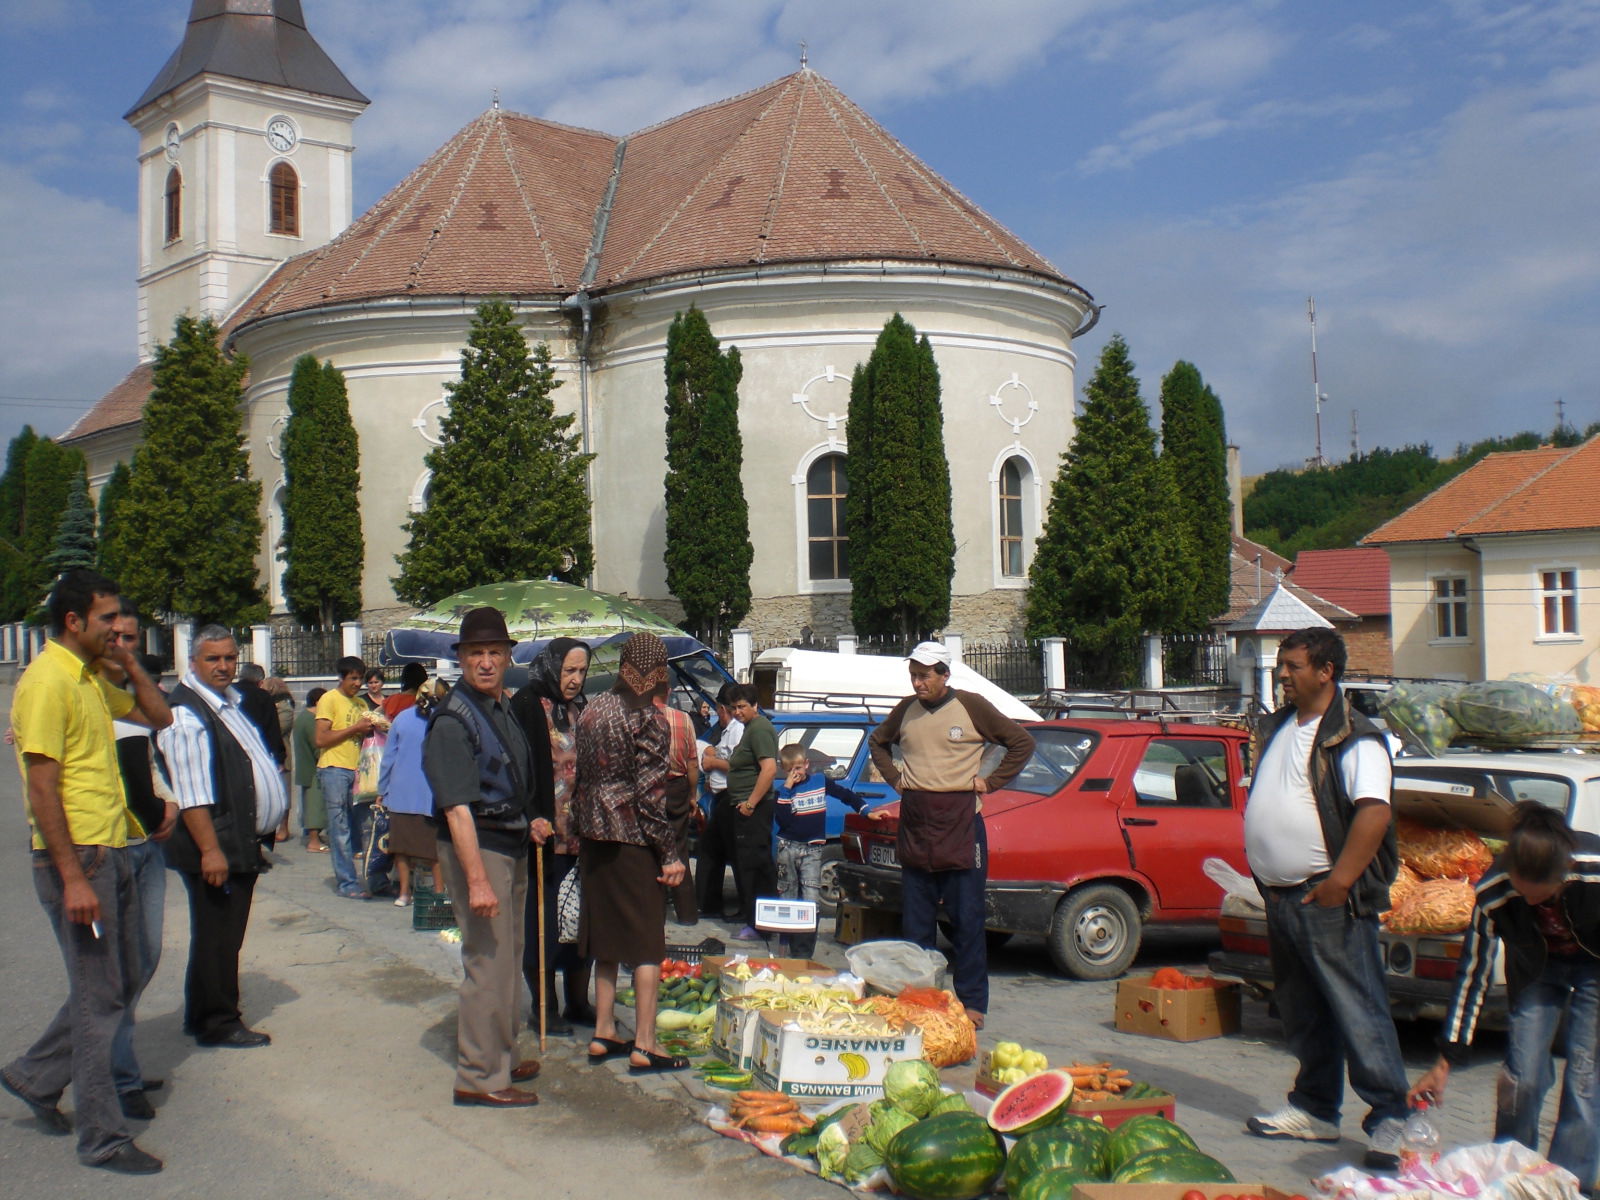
(1433, 906)
(1405, 883)
(1434, 852)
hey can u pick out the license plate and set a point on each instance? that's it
(882, 856)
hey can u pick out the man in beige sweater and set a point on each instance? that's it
(942, 734)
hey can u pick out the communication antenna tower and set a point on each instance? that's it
(1355, 434)
(1316, 387)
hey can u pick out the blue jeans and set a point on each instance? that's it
(1327, 973)
(76, 1046)
(1573, 985)
(800, 878)
(962, 894)
(337, 783)
(149, 871)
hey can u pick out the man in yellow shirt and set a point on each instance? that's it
(342, 721)
(61, 719)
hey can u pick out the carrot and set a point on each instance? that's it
(782, 1123)
(766, 1096)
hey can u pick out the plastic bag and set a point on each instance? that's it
(1419, 713)
(893, 965)
(370, 764)
(1225, 876)
(1492, 1171)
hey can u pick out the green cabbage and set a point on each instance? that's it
(885, 1125)
(954, 1102)
(862, 1161)
(912, 1086)
(833, 1147)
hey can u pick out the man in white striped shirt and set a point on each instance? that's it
(231, 798)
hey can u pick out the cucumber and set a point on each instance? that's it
(799, 1144)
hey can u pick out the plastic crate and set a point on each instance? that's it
(693, 954)
(429, 909)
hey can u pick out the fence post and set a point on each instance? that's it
(182, 643)
(953, 643)
(350, 639)
(261, 647)
(742, 645)
(1154, 674)
(847, 643)
(1055, 664)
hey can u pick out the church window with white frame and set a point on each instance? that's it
(827, 544)
(284, 200)
(173, 207)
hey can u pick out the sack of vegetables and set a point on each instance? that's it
(1512, 711)
(1419, 714)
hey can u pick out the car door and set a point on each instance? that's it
(1180, 808)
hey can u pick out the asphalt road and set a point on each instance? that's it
(353, 1096)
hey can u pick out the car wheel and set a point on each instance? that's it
(828, 894)
(1095, 933)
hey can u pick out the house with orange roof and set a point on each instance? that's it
(1498, 570)
(791, 218)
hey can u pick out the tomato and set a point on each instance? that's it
(1194, 1194)
(1225, 1197)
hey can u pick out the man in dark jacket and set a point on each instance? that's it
(1321, 846)
(1541, 900)
(230, 797)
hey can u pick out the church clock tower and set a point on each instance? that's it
(245, 145)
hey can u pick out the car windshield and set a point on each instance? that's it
(829, 748)
(1057, 755)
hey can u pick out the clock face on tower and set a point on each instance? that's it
(281, 134)
(172, 142)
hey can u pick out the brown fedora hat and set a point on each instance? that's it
(484, 625)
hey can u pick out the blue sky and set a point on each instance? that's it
(1429, 170)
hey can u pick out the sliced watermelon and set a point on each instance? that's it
(1031, 1104)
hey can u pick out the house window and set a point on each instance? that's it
(174, 205)
(284, 185)
(1558, 602)
(828, 546)
(1012, 474)
(1450, 607)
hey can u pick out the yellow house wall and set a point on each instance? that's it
(1514, 639)
(1418, 652)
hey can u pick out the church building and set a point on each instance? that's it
(792, 219)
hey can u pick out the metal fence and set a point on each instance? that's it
(1194, 659)
(1016, 666)
(297, 651)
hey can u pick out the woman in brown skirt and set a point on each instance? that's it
(628, 849)
(404, 791)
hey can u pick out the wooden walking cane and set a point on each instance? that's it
(544, 983)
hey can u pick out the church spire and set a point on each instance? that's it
(258, 41)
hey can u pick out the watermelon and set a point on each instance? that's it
(1052, 1147)
(1144, 1132)
(1172, 1165)
(1031, 1104)
(951, 1156)
(1052, 1183)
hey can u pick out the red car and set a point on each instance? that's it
(1102, 833)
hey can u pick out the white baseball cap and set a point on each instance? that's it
(930, 654)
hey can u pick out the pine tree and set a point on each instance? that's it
(75, 544)
(507, 500)
(1194, 444)
(51, 470)
(14, 599)
(708, 551)
(897, 510)
(189, 530)
(112, 494)
(1111, 564)
(323, 550)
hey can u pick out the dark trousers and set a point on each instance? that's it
(718, 852)
(217, 920)
(680, 815)
(753, 866)
(961, 895)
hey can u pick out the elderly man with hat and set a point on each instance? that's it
(480, 768)
(942, 734)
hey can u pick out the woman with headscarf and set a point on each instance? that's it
(548, 709)
(403, 790)
(627, 848)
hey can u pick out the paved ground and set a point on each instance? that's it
(353, 1095)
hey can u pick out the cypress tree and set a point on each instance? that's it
(1111, 563)
(708, 551)
(190, 528)
(51, 470)
(897, 511)
(14, 600)
(323, 550)
(75, 544)
(507, 500)
(112, 494)
(1194, 445)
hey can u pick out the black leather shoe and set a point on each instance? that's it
(505, 1098)
(135, 1106)
(51, 1119)
(555, 1025)
(242, 1038)
(128, 1159)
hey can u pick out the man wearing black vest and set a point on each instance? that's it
(480, 767)
(231, 798)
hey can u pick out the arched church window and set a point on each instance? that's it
(1012, 475)
(284, 185)
(825, 493)
(174, 205)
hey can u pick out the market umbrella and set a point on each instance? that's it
(536, 610)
